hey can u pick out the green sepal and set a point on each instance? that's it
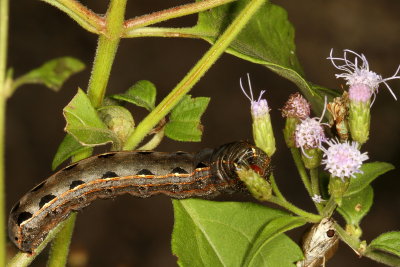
(312, 159)
(337, 188)
(289, 131)
(184, 120)
(258, 187)
(263, 134)
(359, 121)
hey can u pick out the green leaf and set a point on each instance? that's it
(271, 230)
(84, 123)
(217, 234)
(356, 206)
(142, 94)
(184, 120)
(388, 242)
(51, 74)
(370, 171)
(268, 39)
(68, 147)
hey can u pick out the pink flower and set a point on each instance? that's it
(343, 160)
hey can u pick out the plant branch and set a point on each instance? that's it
(301, 169)
(162, 32)
(194, 75)
(105, 53)
(315, 187)
(4, 11)
(171, 13)
(275, 188)
(289, 206)
(89, 20)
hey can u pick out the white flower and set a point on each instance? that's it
(259, 107)
(317, 198)
(358, 73)
(343, 159)
(309, 133)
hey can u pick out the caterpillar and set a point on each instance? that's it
(180, 175)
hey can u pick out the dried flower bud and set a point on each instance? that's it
(296, 107)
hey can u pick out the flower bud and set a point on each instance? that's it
(262, 128)
(295, 109)
(259, 187)
(337, 187)
(289, 131)
(312, 158)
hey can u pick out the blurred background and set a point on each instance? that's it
(136, 232)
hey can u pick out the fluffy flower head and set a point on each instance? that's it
(343, 160)
(357, 73)
(296, 107)
(309, 133)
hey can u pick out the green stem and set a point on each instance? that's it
(60, 245)
(23, 259)
(163, 32)
(315, 187)
(289, 206)
(194, 75)
(301, 169)
(171, 13)
(154, 141)
(105, 54)
(89, 20)
(106, 50)
(275, 188)
(4, 10)
(329, 208)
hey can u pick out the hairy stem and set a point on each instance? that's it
(171, 13)
(289, 206)
(194, 75)
(4, 9)
(301, 169)
(89, 20)
(315, 187)
(105, 53)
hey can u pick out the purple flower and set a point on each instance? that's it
(259, 107)
(343, 160)
(362, 81)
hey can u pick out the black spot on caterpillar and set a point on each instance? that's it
(139, 173)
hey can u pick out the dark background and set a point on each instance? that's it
(136, 232)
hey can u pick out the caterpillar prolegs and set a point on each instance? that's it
(139, 173)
